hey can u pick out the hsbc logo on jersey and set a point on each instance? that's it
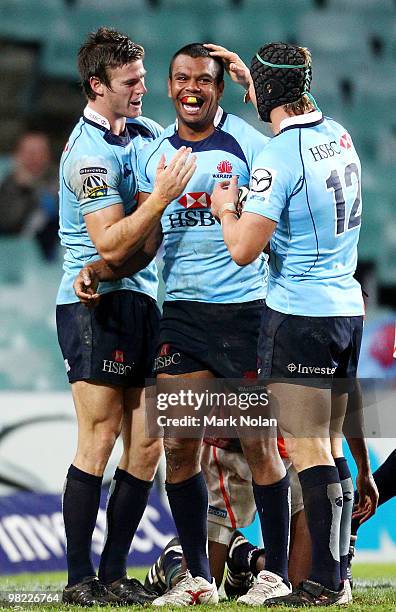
(346, 141)
(197, 199)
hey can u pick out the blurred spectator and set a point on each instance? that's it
(28, 194)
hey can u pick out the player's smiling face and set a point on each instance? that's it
(195, 90)
(127, 88)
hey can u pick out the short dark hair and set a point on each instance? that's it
(105, 48)
(198, 50)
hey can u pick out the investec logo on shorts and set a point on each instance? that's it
(302, 369)
(116, 364)
(164, 359)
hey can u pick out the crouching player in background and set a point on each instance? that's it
(232, 507)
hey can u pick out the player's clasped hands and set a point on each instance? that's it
(172, 179)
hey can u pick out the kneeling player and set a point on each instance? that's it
(232, 507)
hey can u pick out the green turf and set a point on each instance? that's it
(375, 589)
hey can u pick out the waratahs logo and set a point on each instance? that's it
(224, 170)
(224, 167)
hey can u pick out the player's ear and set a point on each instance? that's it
(96, 85)
(221, 89)
(169, 88)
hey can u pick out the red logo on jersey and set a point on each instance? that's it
(164, 350)
(198, 199)
(118, 356)
(346, 141)
(225, 167)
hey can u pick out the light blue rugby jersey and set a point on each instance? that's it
(308, 180)
(98, 169)
(197, 264)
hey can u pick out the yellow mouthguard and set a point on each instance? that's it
(191, 100)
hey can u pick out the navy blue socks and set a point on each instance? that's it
(126, 504)
(189, 505)
(81, 499)
(245, 557)
(323, 502)
(273, 506)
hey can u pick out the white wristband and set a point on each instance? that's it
(228, 206)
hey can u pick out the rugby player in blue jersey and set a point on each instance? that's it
(305, 195)
(108, 351)
(203, 286)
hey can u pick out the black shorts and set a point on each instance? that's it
(113, 343)
(221, 338)
(318, 349)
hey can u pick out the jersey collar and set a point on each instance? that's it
(306, 120)
(97, 120)
(95, 117)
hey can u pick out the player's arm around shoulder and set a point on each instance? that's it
(139, 235)
(87, 281)
(117, 237)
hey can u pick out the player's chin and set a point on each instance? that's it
(192, 118)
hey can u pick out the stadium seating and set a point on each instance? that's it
(29, 20)
(29, 356)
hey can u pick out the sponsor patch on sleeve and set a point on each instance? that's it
(94, 182)
(93, 170)
(262, 180)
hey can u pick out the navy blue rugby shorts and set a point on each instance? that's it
(221, 338)
(312, 351)
(113, 343)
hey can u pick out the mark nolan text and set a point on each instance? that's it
(243, 420)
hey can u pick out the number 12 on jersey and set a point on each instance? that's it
(334, 183)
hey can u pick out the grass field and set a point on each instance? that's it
(375, 589)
